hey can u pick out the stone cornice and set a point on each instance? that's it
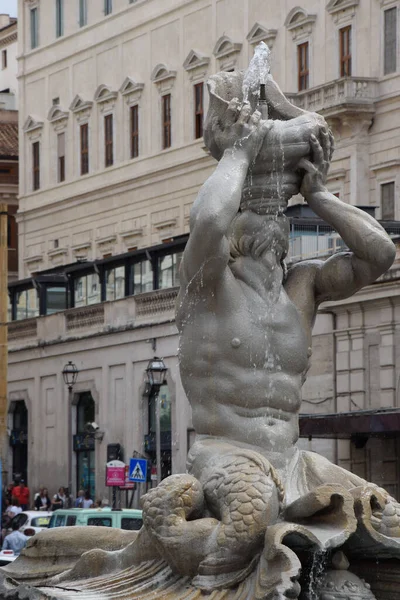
(226, 51)
(78, 105)
(131, 90)
(104, 94)
(334, 6)
(32, 124)
(9, 39)
(58, 117)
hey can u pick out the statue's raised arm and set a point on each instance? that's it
(241, 136)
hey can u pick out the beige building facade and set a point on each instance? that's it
(111, 106)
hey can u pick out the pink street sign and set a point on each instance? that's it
(115, 476)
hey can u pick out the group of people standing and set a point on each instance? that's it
(17, 498)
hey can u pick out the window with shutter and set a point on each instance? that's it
(36, 165)
(198, 110)
(84, 131)
(134, 131)
(390, 41)
(387, 201)
(166, 115)
(61, 156)
(302, 66)
(345, 51)
(108, 140)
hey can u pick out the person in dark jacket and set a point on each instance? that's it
(42, 501)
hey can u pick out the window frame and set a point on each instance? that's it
(385, 72)
(82, 13)
(134, 130)
(198, 112)
(4, 59)
(35, 166)
(382, 185)
(84, 149)
(108, 124)
(303, 75)
(166, 121)
(345, 60)
(34, 27)
(59, 18)
(61, 157)
(108, 7)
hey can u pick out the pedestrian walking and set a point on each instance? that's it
(80, 499)
(15, 541)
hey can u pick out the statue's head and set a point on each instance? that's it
(255, 235)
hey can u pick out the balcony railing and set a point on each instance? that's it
(338, 96)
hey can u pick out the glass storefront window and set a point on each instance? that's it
(165, 408)
(87, 290)
(56, 299)
(85, 460)
(27, 304)
(168, 267)
(115, 283)
(142, 277)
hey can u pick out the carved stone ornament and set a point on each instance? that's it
(58, 117)
(105, 97)
(226, 52)
(81, 108)
(196, 65)
(33, 127)
(299, 22)
(258, 33)
(163, 77)
(131, 90)
(342, 9)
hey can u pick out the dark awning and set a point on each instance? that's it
(378, 423)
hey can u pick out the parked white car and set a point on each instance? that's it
(30, 521)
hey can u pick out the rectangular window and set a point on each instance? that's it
(56, 299)
(387, 201)
(34, 28)
(84, 144)
(134, 112)
(27, 304)
(82, 13)
(166, 120)
(35, 166)
(107, 7)
(115, 283)
(390, 41)
(59, 18)
(87, 290)
(345, 51)
(302, 65)
(61, 156)
(141, 277)
(168, 270)
(4, 59)
(198, 110)
(108, 141)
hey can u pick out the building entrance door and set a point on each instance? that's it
(19, 441)
(84, 445)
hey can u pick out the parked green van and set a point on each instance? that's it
(127, 518)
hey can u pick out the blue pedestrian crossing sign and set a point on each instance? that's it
(138, 470)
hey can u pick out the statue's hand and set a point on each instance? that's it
(316, 172)
(241, 130)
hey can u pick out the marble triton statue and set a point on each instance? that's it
(252, 509)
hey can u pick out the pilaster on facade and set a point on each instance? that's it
(226, 52)
(258, 33)
(196, 65)
(300, 23)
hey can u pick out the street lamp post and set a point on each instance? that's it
(70, 374)
(156, 371)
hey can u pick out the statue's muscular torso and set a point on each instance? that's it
(244, 352)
